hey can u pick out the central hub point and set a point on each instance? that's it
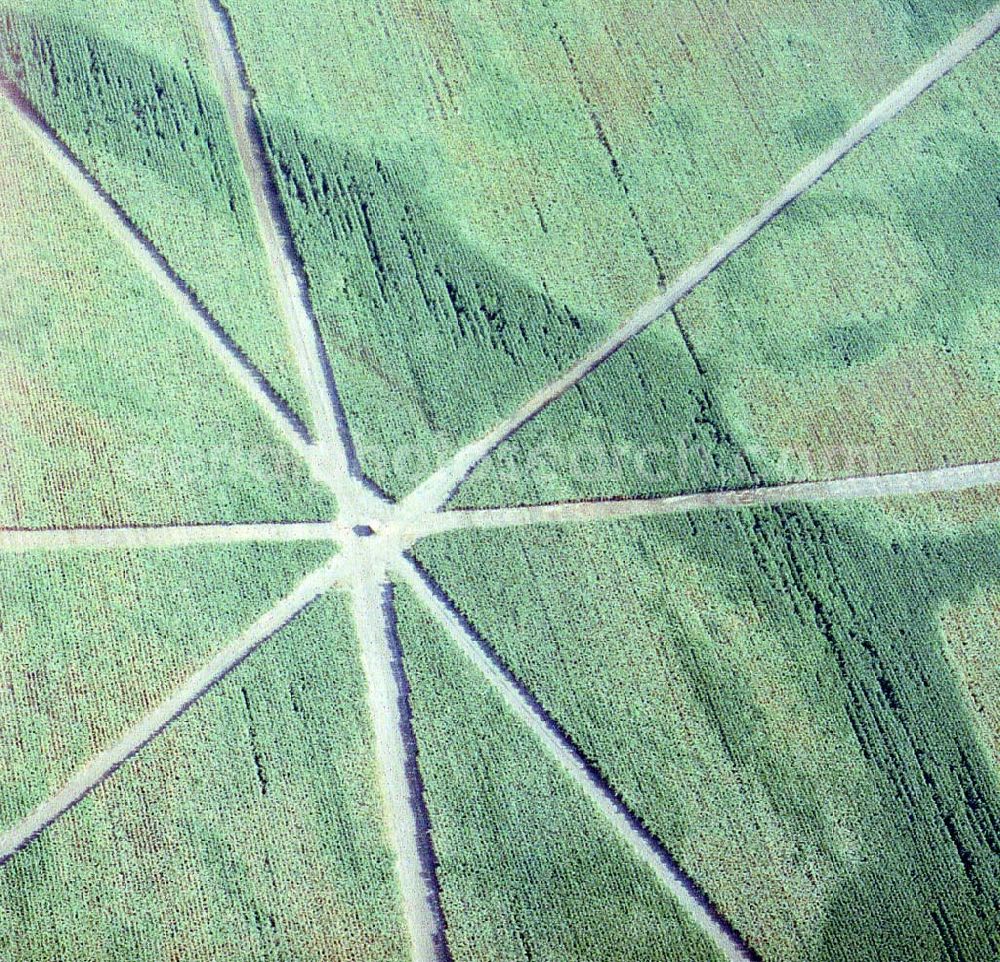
(363, 530)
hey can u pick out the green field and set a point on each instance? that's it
(90, 641)
(779, 690)
(694, 661)
(178, 855)
(126, 86)
(114, 410)
(791, 362)
(501, 196)
(520, 851)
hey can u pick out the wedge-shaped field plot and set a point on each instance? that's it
(792, 699)
(528, 868)
(521, 180)
(646, 423)
(855, 335)
(251, 828)
(130, 92)
(91, 641)
(115, 410)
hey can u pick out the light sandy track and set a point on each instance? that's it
(959, 478)
(440, 486)
(549, 733)
(17, 540)
(155, 265)
(362, 564)
(286, 274)
(385, 702)
(95, 771)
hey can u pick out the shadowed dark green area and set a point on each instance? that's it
(440, 335)
(665, 690)
(645, 423)
(154, 133)
(431, 341)
(875, 291)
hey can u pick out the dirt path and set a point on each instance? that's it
(287, 275)
(959, 478)
(440, 486)
(386, 702)
(104, 764)
(18, 540)
(362, 564)
(155, 266)
(584, 775)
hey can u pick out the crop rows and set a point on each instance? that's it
(503, 199)
(886, 268)
(147, 122)
(103, 422)
(527, 867)
(91, 640)
(770, 729)
(250, 829)
(770, 693)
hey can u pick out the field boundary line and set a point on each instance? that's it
(406, 819)
(288, 275)
(17, 540)
(906, 483)
(104, 764)
(528, 709)
(115, 219)
(440, 486)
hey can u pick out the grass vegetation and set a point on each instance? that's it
(251, 829)
(529, 868)
(775, 693)
(855, 335)
(127, 87)
(115, 411)
(525, 176)
(91, 640)
(800, 701)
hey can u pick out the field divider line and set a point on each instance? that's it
(931, 481)
(406, 819)
(530, 711)
(19, 540)
(288, 275)
(439, 487)
(156, 266)
(102, 765)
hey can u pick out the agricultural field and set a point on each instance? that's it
(631, 137)
(515, 842)
(765, 682)
(104, 422)
(90, 639)
(866, 265)
(126, 85)
(186, 832)
(499, 482)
